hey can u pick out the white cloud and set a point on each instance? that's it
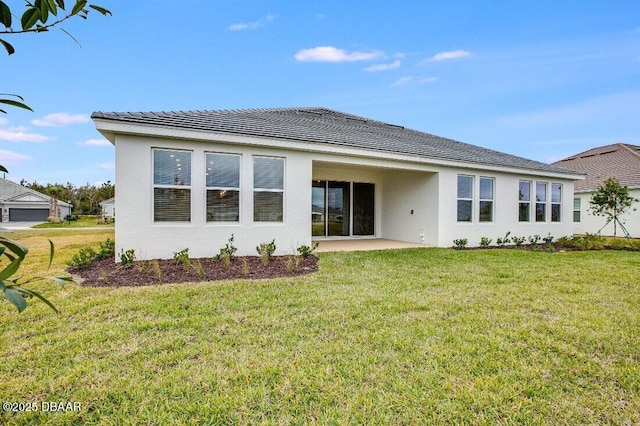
(8, 158)
(107, 166)
(95, 142)
(383, 67)
(60, 119)
(332, 54)
(253, 25)
(413, 80)
(19, 134)
(444, 56)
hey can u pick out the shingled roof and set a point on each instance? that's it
(326, 126)
(620, 161)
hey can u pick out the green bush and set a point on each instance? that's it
(228, 251)
(485, 242)
(518, 241)
(182, 257)
(305, 251)
(83, 258)
(266, 250)
(107, 249)
(460, 243)
(127, 257)
(502, 241)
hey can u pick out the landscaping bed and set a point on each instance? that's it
(107, 273)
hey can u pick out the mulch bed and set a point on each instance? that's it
(107, 273)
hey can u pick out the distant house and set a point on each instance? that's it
(301, 174)
(21, 204)
(108, 208)
(620, 161)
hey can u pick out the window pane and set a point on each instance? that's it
(363, 208)
(223, 205)
(523, 212)
(171, 167)
(525, 191)
(486, 211)
(223, 171)
(268, 173)
(576, 216)
(576, 203)
(556, 193)
(317, 208)
(464, 210)
(465, 187)
(541, 192)
(486, 189)
(555, 212)
(541, 212)
(171, 205)
(267, 206)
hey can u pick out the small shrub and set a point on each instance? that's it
(565, 242)
(518, 241)
(182, 257)
(534, 239)
(266, 250)
(502, 241)
(460, 243)
(588, 242)
(485, 242)
(83, 258)
(226, 261)
(157, 270)
(197, 266)
(305, 251)
(229, 250)
(548, 239)
(245, 268)
(144, 267)
(127, 257)
(107, 249)
(292, 263)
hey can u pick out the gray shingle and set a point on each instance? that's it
(326, 126)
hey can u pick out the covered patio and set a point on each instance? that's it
(364, 244)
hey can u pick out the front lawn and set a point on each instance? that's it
(87, 221)
(414, 336)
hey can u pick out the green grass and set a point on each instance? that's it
(415, 336)
(82, 222)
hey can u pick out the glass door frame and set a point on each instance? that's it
(325, 208)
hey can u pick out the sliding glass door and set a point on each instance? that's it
(342, 209)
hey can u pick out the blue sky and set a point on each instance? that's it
(539, 79)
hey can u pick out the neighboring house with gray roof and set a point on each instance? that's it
(108, 208)
(620, 161)
(21, 204)
(300, 174)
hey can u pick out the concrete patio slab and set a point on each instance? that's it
(364, 245)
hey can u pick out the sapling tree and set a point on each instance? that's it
(612, 200)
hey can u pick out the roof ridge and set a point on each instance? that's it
(632, 151)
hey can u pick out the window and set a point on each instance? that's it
(465, 198)
(268, 189)
(524, 195)
(541, 201)
(556, 202)
(223, 187)
(576, 209)
(486, 199)
(171, 186)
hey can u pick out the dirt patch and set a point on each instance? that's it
(107, 273)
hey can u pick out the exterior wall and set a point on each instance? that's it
(135, 228)
(109, 210)
(506, 201)
(592, 224)
(411, 205)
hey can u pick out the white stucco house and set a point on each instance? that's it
(620, 161)
(21, 204)
(191, 179)
(108, 208)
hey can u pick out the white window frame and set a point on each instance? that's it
(527, 202)
(167, 186)
(282, 191)
(223, 188)
(458, 198)
(492, 199)
(543, 202)
(578, 210)
(556, 203)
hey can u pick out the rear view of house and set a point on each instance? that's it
(191, 179)
(620, 161)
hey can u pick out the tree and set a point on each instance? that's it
(36, 19)
(611, 200)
